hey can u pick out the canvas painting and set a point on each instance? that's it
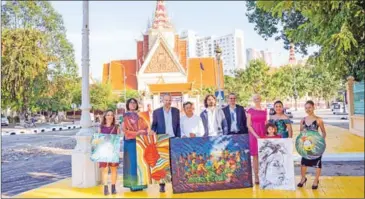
(105, 148)
(210, 163)
(276, 165)
(153, 159)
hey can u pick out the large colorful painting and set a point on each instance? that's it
(310, 144)
(276, 165)
(153, 160)
(105, 148)
(210, 163)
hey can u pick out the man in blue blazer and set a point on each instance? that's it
(166, 120)
(236, 116)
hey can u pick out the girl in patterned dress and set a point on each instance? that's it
(311, 123)
(281, 121)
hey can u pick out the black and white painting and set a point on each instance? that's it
(276, 166)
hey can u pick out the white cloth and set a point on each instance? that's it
(211, 122)
(233, 119)
(191, 125)
(168, 122)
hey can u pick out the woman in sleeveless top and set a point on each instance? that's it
(109, 126)
(132, 126)
(281, 121)
(311, 123)
(256, 120)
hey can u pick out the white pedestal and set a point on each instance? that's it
(85, 173)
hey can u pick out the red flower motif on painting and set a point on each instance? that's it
(151, 155)
(304, 138)
(158, 175)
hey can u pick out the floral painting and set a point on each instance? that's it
(210, 163)
(153, 160)
(310, 144)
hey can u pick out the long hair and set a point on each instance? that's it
(206, 100)
(103, 121)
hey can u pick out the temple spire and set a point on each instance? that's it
(161, 19)
(292, 59)
(148, 25)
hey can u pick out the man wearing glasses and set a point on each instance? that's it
(236, 116)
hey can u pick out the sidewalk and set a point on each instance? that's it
(329, 187)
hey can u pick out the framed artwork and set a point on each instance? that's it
(276, 165)
(210, 163)
(105, 148)
(153, 159)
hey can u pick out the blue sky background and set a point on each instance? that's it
(114, 26)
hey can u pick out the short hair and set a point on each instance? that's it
(310, 102)
(129, 101)
(166, 94)
(187, 103)
(232, 94)
(271, 125)
(206, 100)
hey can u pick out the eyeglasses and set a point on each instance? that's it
(232, 98)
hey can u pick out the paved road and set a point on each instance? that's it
(30, 161)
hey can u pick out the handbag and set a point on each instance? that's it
(105, 147)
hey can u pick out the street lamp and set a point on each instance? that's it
(84, 171)
(218, 54)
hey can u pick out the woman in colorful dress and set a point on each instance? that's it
(132, 126)
(282, 122)
(109, 126)
(311, 123)
(256, 120)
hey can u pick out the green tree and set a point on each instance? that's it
(291, 81)
(130, 94)
(340, 36)
(101, 97)
(34, 41)
(24, 63)
(323, 84)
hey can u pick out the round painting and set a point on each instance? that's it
(310, 144)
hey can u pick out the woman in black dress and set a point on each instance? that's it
(311, 123)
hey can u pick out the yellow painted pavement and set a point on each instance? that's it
(339, 140)
(329, 187)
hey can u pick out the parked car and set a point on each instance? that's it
(338, 109)
(40, 118)
(286, 112)
(4, 121)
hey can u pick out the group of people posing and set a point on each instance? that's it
(213, 121)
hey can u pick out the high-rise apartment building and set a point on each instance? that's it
(253, 54)
(232, 45)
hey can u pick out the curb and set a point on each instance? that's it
(19, 131)
(336, 157)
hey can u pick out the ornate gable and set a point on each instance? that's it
(161, 62)
(161, 59)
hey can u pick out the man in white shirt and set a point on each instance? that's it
(213, 118)
(190, 124)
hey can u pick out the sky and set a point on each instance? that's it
(115, 26)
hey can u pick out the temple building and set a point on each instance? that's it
(162, 66)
